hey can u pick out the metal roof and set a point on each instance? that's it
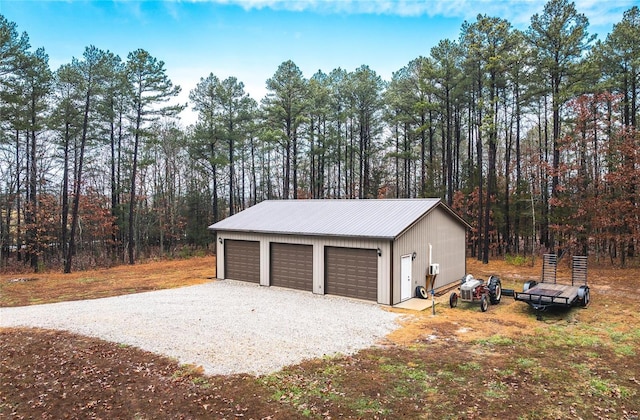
(385, 219)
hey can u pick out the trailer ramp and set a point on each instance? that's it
(579, 271)
(549, 268)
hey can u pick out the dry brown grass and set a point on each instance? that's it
(462, 363)
(514, 319)
(29, 289)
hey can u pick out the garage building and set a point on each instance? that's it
(377, 250)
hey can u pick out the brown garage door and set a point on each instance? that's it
(292, 266)
(242, 260)
(351, 272)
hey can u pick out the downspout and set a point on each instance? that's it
(391, 271)
(465, 251)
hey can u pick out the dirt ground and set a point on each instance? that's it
(460, 363)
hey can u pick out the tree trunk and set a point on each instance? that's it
(78, 187)
(18, 201)
(132, 196)
(32, 219)
(231, 171)
(518, 207)
(65, 198)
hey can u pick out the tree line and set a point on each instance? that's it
(530, 135)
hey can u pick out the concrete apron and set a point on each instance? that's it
(415, 304)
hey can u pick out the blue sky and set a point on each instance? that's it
(249, 39)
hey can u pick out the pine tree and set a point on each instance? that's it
(150, 88)
(284, 107)
(36, 79)
(559, 38)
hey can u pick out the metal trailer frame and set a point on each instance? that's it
(548, 292)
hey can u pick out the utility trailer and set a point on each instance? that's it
(548, 292)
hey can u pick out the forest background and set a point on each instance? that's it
(530, 135)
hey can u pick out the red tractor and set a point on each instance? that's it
(476, 290)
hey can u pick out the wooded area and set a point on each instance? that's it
(530, 135)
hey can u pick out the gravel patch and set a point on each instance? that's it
(224, 326)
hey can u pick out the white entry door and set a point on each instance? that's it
(405, 278)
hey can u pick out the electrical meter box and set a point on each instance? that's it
(434, 269)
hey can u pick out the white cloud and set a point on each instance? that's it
(518, 12)
(254, 69)
(604, 13)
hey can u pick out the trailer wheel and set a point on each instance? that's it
(528, 285)
(421, 292)
(484, 303)
(584, 295)
(495, 290)
(453, 299)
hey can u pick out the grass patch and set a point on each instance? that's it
(524, 363)
(496, 340)
(582, 368)
(192, 373)
(410, 378)
(368, 407)
(505, 373)
(620, 337)
(609, 390)
(625, 350)
(285, 389)
(188, 371)
(298, 390)
(201, 381)
(410, 371)
(570, 336)
(518, 260)
(600, 388)
(446, 375)
(496, 390)
(470, 366)
(89, 280)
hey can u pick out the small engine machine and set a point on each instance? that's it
(477, 290)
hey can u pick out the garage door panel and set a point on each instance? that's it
(242, 260)
(351, 272)
(292, 266)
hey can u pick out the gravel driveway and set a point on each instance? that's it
(224, 326)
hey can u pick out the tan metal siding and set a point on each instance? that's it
(219, 257)
(447, 237)
(318, 242)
